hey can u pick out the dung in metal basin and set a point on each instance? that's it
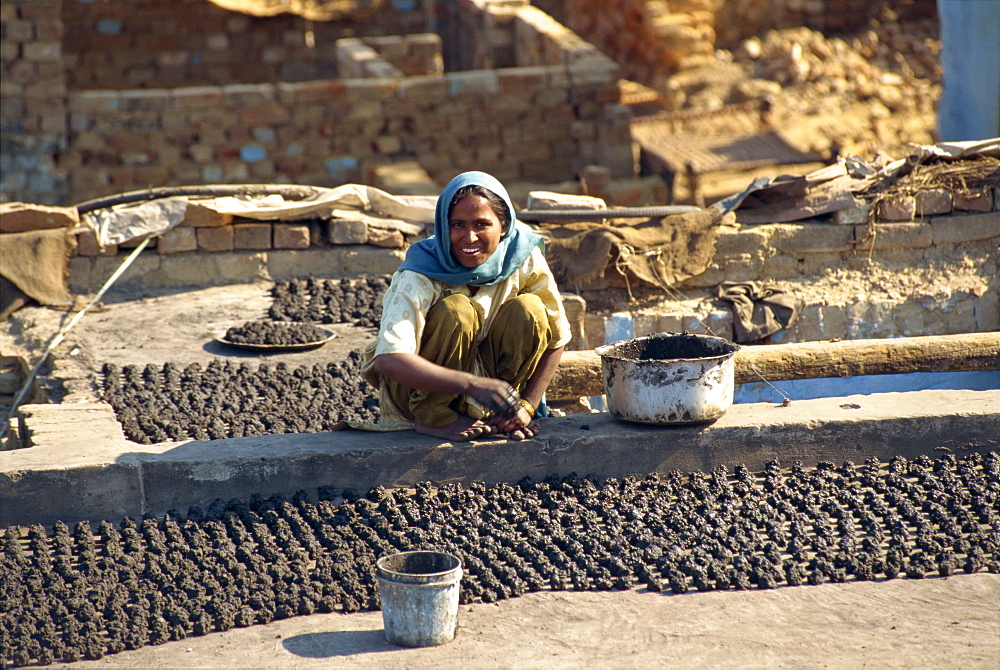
(668, 378)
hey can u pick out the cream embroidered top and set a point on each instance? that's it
(410, 296)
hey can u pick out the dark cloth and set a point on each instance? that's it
(759, 310)
(660, 252)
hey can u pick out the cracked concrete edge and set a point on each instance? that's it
(110, 478)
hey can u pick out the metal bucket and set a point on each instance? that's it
(419, 591)
(668, 378)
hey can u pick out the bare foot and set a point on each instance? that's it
(524, 433)
(463, 429)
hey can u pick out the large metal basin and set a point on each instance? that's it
(668, 378)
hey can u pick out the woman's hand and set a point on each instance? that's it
(519, 424)
(495, 395)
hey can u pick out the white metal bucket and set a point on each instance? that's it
(419, 592)
(668, 378)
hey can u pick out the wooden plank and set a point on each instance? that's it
(579, 372)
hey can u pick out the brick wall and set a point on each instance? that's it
(395, 56)
(33, 94)
(125, 44)
(541, 121)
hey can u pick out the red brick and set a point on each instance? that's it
(247, 95)
(290, 236)
(346, 231)
(52, 122)
(196, 97)
(199, 216)
(259, 115)
(251, 236)
(177, 240)
(387, 239)
(40, 10)
(19, 31)
(86, 245)
(310, 91)
(50, 29)
(215, 239)
(20, 72)
(42, 52)
(976, 201)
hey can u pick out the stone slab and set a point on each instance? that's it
(82, 479)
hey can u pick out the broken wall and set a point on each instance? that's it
(34, 122)
(542, 120)
(121, 44)
(652, 39)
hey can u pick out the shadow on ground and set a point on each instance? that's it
(338, 643)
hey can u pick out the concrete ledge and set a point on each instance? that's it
(81, 480)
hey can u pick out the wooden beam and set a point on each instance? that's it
(579, 372)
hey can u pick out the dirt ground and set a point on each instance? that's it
(159, 326)
(930, 623)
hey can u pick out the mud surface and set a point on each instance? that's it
(671, 347)
(156, 404)
(927, 623)
(74, 593)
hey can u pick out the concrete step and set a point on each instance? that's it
(94, 476)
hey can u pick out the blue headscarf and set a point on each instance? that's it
(432, 256)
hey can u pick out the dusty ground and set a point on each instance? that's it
(162, 326)
(931, 623)
(158, 326)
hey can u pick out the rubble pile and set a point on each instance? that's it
(866, 66)
(72, 594)
(889, 77)
(863, 93)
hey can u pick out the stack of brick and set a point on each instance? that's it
(536, 122)
(410, 55)
(169, 43)
(650, 39)
(34, 119)
(394, 56)
(205, 230)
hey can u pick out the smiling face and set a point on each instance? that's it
(475, 230)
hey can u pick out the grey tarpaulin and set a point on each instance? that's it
(121, 224)
(409, 214)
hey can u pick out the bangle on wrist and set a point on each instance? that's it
(527, 405)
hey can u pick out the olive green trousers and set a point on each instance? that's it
(511, 351)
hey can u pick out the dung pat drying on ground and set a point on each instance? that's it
(75, 594)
